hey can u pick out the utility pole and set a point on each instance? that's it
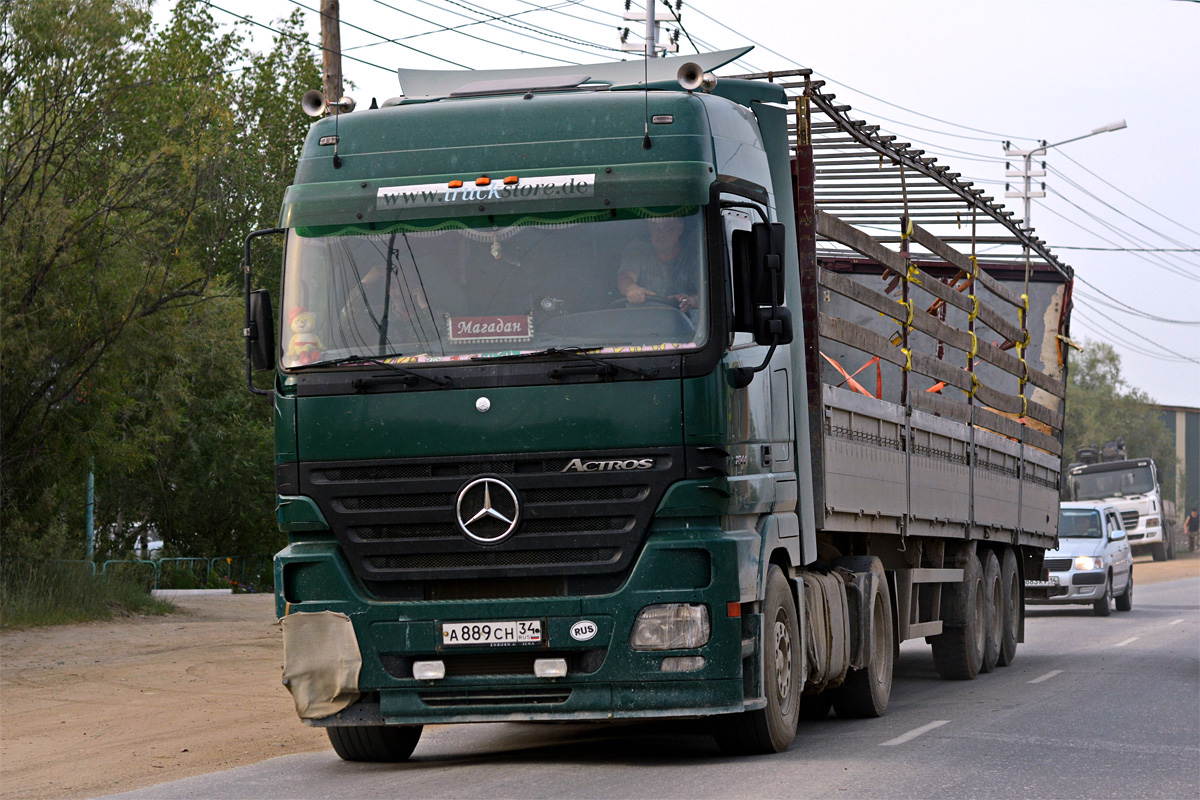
(1028, 173)
(653, 19)
(331, 49)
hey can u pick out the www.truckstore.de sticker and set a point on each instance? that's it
(436, 194)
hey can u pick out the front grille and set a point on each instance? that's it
(496, 697)
(512, 558)
(397, 520)
(1129, 519)
(1058, 564)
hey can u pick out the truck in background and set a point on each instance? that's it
(517, 488)
(1134, 485)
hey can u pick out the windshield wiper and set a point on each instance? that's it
(609, 367)
(362, 383)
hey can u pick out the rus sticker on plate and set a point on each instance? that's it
(516, 328)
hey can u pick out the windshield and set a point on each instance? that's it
(1113, 483)
(1078, 523)
(627, 281)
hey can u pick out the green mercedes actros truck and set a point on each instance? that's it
(570, 421)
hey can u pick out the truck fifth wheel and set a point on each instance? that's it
(595, 399)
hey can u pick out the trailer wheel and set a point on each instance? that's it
(770, 729)
(958, 649)
(993, 591)
(1010, 607)
(866, 691)
(379, 743)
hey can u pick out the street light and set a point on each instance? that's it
(1028, 155)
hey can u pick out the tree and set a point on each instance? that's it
(132, 164)
(1102, 407)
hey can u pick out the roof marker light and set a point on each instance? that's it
(510, 180)
(483, 180)
(455, 184)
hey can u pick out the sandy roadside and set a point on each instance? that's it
(108, 707)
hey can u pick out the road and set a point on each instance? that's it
(1092, 707)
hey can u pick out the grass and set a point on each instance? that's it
(39, 593)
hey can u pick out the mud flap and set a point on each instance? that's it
(321, 662)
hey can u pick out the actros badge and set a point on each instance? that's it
(487, 510)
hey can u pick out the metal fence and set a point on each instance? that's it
(253, 572)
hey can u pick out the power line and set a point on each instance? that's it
(537, 29)
(1115, 209)
(1105, 335)
(864, 94)
(1133, 249)
(1172, 268)
(1140, 336)
(1131, 197)
(443, 29)
(1136, 312)
(319, 47)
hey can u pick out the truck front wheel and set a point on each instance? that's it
(379, 743)
(770, 729)
(958, 649)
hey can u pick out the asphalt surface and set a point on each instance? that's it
(1092, 707)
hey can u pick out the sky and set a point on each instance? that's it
(955, 77)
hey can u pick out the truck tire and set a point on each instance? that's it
(958, 649)
(865, 692)
(993, 592)
(771, 729)
(1159, 551)
(378, 743)
(1169, 537)
(1010, 607)
(1103, 606)
(1125, 599)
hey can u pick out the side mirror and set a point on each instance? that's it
(260, 333)
(766, 274)
(758, 278)
(1116, 535)
(773, 326)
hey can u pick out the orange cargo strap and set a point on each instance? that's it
(855, 385)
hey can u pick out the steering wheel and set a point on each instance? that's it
(651, 299)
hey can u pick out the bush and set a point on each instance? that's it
(35, 593)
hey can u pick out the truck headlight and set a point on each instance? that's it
(670, 626)
(1151, 522)
(1084, 563)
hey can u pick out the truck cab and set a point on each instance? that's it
(1134, 488)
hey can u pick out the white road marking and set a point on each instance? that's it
(1047, 676)
(1127, 641)
(915, 732)
(1175, 622)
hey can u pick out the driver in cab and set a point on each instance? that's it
(661, 268)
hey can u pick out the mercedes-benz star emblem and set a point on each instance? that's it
(487, 510)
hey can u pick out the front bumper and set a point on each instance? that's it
(606, 678)
(1144, 536)
(1069, 587)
